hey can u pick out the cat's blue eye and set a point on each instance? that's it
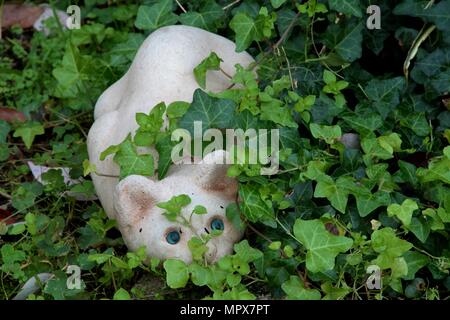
(217, 224)
(173, 237)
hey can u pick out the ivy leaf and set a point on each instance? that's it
(212, 62)
(407, 172)
(206, 18)
(364, 124)
(156, 16)
(433, 71)
(403, 212)
(164, 146)
(415, 261)
(348, 7)
(73, 72)
(417, 122)
(177, 109)
(420, 227)
(253, 207)
(336, 192)
(174, 205)
(295, 290)
(389, 247)
(277, 3)
(246, 30)
(177, 273)
(385, 94)
(322, 246)
(4, 130)
(367, 202)
(245, 252)
(149, 125)
(382, 147)
(124, 52)
(274, 110)
(212, 112)
(328, 133)
(334, 293)
(345, 41)
(439, 217)
(438, 14)
(130, 162)
(28, 132)
(437, 170)
(121, 294)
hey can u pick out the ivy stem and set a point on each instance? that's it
(225, 73)
(181, 7)
(426, 253)
(231, 4)
(287, 230)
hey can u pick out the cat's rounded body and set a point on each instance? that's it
(162, 71)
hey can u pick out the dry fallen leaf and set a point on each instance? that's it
(11, 115)
(20, 14)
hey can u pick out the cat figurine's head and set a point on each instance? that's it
(142, 222)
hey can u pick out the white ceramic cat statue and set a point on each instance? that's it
(162, 71)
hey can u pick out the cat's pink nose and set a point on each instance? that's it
(211, 254)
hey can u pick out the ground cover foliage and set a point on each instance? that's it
(314, 228)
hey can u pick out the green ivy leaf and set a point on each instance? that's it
(437, 170)
(164, 146)
(174, 205)
(438, 14)
(367, 202)
(328, 133)
(364, 124)
(415, 261)
(322, 246)
(420, 227)
(433, 71)
(177, 273)
(212, 62)
(130, 162)
(345, 41)
(248, 29)
(336, 192)
(277, 3)
(348, 7)
(212, 112)
(121, 294)
(156, 16)
(417, 122)
(245, 29)
(4, 130)
(253, 207)
(404, 211)
(28, 132)
(295, 290)
(389, 247)
(206, 18)
(385, 94)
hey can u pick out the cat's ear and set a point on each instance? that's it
(134, 197)
(212, 174)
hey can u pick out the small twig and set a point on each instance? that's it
(423, 35)
(259, 233)
(5, 195)
(106, 175)
(231, 4)
(278, 43)
(289, 69)
(225, 73)
(181, 7)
